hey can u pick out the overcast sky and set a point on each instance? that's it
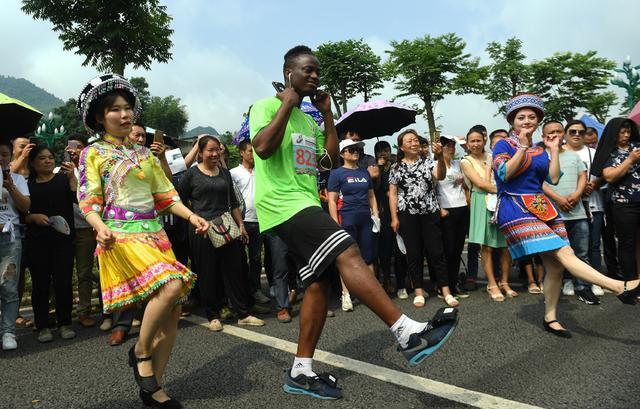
(227, 52)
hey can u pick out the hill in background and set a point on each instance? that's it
(200, 130)
(30, 93)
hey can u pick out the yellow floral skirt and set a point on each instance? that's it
(136, 267)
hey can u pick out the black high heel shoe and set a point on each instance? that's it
(148, 400)
(146, 383)
(562, 333)
(630, 296)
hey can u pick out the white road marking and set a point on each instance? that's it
(440, 389)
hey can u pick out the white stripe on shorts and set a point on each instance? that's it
(321, 252)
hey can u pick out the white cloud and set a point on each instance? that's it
(215, 85)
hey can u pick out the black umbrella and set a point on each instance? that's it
(16, 117)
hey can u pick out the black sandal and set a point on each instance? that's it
(629, 296)
(146, 383)
(562, 333)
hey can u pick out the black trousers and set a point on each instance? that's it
(627, 220)
(454, 232)
(51, 260)
(422, 235)
(609, 246)
(220, 272)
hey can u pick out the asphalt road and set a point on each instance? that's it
(499, 349)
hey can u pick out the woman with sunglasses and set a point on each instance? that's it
(353, 205)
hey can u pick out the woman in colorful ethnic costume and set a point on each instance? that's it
(529, 220)
(122, 189)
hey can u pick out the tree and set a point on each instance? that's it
(600, 104)
(142, 86)
(568, 81)
(349, 68)
(69, 117)
(433, 67)
(166, 114)
(508, 75)
(234, 153)
(226, 137)
(109, 34)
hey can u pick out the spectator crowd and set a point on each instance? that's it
(407, 210)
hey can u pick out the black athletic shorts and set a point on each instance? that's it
(314, 241)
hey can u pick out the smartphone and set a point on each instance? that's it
(158, 136)
(6, 173)
(279, 87)
(66, 157)
(74, 145)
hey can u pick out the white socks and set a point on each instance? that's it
(302, 366)
(404, 327)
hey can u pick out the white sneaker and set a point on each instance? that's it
(347, 305)
(567, 288)
(9, 342)
(402, 294)
(597, 290)
(261, 298)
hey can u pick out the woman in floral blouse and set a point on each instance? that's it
(619, 149)
(415, 213)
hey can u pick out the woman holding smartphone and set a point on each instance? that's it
(415, 212)
(122, 191)
(618, 160)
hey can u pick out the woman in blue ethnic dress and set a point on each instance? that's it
(529, 220)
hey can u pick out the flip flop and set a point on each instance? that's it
(418, 301)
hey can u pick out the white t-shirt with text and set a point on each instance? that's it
(8, 211)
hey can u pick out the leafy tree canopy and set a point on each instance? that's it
(349, 68)
(109, 33)
(433, 67)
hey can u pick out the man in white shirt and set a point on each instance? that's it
(245, 181)
(14, 200)
(592, 196)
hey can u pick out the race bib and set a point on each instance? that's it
(304, 154)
